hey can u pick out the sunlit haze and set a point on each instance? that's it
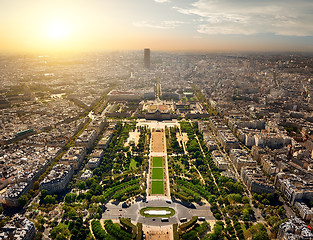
(226, 25)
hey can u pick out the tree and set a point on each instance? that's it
(49, 199)
(70, 197)
(72, 213)
(218, 216)
(258, 232)
(81, 185)
(23, 200)
(191, 235)
(199, 162)
(44, 193)
(54, 223)
(61, 237)
(245, 215)
(265, 201)
(235, 198)
(88, 195)
(234, 187)
(59, 232)
(193, 146)
(281, 210)
(262, 235)
(217, 231)
(245, 199)
(36, 185)
(38, 235)
(78, 229)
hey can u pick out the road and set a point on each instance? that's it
(115, 212)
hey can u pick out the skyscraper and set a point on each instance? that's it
(147, 57)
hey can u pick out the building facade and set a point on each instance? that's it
(146, 57)
(57, 179)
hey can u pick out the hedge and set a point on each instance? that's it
(196, 197)
(204, 193)
(185, 226)
(116, 231)
(175, 232)
(131, 228)
(180, 196)
(112, 190)
(139, 231)
(97, 230)
(119, 194)
(202, 228)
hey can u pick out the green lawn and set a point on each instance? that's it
(157, 187)
(157, 173)
(132, 165)
(157, 161)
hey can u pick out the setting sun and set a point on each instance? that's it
(58, 30)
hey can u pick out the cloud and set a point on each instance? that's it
(162, 1)
(248, 17)
(158, 25)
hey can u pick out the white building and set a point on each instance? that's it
(87, 138)
(13, 193)
(19, 228)
(74, 157)
(87, 174)
(219, 160)
(305, 212)
(94, 163)
(256, 181)
(105, 140)
(294, 229)
(58, 178)
(241, 158)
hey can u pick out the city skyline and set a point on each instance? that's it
(162, 25)
(194, 146)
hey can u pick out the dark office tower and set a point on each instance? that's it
(147, 57)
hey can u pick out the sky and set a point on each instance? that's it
(46, 26)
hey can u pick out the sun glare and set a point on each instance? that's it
(58, 30)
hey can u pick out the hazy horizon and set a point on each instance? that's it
(48, 27)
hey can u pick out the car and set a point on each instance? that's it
(183, 219)
(164, 219)
(126, 205)
(201, 218)
(168, 201)
(153, 219)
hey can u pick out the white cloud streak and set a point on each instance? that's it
(158, 25)
(248, 17)
(162, 1)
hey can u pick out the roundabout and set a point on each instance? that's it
(137, 208)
